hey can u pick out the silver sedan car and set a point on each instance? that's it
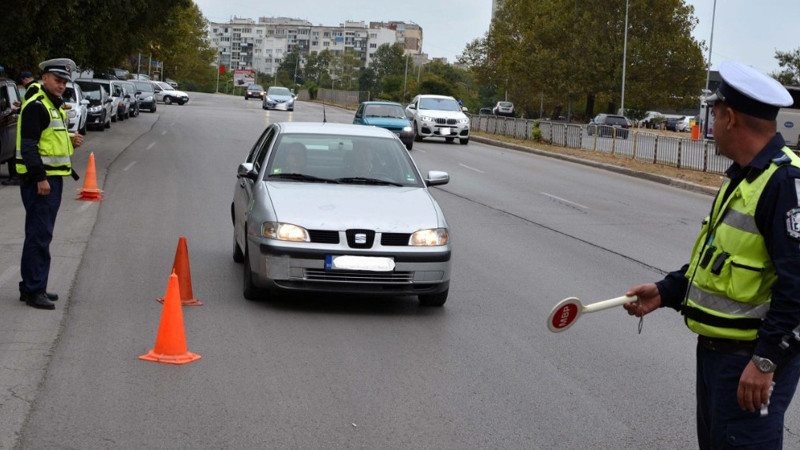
(338, 208)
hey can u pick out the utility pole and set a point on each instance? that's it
(624, 58)
(405, 79)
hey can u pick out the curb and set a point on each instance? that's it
(610, 167)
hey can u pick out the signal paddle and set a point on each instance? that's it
(567, 311)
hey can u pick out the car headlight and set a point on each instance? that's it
(96, 109)
(72, 113)
(149, 98)
(426, 118)
(463, 120)
(284, 232)
(407, 129)
(430, 238)
(269, 99)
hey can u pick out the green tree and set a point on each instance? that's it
(317, 67)
(289, 67)
(388, 60)
(790, 65)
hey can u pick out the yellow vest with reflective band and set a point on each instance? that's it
(731, 274)
(55, 146)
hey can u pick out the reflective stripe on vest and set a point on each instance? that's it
(731, 273)
(55, 145)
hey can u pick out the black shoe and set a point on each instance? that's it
(40, 301)
(50, 296)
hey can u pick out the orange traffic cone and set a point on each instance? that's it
(181, 267)
(170, 345)
(90, 192)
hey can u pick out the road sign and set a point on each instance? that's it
(568, 311)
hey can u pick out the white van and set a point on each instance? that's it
(789, 119)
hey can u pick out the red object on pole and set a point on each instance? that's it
(221, 69)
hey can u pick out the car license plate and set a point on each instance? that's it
(351, 262)
(444, 131)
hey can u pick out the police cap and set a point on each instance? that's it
(61, 67)
(749, 91)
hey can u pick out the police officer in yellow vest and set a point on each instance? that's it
(740, 291)
(44, 147)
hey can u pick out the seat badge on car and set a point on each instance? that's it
(361, 238)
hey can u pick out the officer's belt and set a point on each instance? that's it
(730, 346)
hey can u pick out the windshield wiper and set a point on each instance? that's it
(365, 180)
(302, 177)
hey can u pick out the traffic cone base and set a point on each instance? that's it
(170, 345)
(170, 359)
(184, 301)
(90, 192)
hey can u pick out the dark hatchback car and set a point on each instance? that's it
(100, 109)
(254, 91)
(608, 125)
(10, 103)
(147, 96)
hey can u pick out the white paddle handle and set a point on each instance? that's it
(610, 303)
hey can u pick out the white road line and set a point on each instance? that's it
(564, 200)
(164, 132)
(9, 273)
(128, 166)
(470, 168)
(85, 206)
(152, 144)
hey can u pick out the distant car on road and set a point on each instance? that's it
(438, 116)
(278, 97)
(485, 112)
(147, 96)
(387, 115)
(503, 109)
(168, 94)
(338, 208)
(609, 125)
(254, 91)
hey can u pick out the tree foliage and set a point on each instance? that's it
(790, 67)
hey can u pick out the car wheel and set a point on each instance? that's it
(181, 102)
(82, 131)
(417, 137)
(409, 145)
(434, 299)
(238, 255)
(249, 290)
(464, 141)
(449, 139)
(167, 100)
(153, 109)
(107, 124)
(263, 106)
(113, 117)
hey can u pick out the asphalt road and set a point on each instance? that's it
(348, 372)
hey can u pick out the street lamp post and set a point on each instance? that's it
(624, 58)
(710, 44)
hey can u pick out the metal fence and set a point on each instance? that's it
(641, 145)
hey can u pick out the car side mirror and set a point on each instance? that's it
(84, 102)
(138, 92)
(464, 109)
(411, 106)
(437, 178)
(247, 170)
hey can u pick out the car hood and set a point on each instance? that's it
(284, 98)
(438, 114)
(176, 92)
(391, 122)
(338, 207)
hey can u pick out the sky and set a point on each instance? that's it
(744, 30)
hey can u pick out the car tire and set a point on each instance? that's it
(167, 100)
(417, 137)
(409, 145)
(113, 118)
(181, 102)
(263, 106)
(82, 131)
(249, 290)
(449, 140)
(153, 109)
(238, 255)
(436, 300)
(463, 141)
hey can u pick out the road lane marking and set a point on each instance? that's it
(85, 206)
(8, 274)
(128, 166)
(164, 132)
(564, 200)
(152, 144)
(471, 168)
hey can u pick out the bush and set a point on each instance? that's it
(536, 135)
(312, 91)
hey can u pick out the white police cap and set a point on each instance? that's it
(61, 67)
(749, 91)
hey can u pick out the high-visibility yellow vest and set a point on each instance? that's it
(55, 145)
(731, 274)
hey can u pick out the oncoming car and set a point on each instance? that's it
(438, 116)
(340, 208)
(255, 91)
(278, 97)
(387, 115)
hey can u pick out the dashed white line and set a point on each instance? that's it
(152, 144)
(164, 132)
(128, 166)
(564, 200)
(85, 206)
(471, 168)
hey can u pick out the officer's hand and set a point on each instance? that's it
(43, 187)
(754, 386)
(77, 140)
(649, 300)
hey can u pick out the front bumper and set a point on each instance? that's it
(284, 106)
(417, 270)
(446, 130)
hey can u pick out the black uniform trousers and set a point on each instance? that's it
(40, 219)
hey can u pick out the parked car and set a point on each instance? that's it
(101, 105)
(167, 94)
(278, 97)
(387, 115)
(672, 123)
(124, 105)
(609, 125)
(342, 208)
(438, 116)
(147, 95)
(130, 90)
(171, 82)
(485, 112)
(114, 95)
(503, 109)
(685, 125)
(10, 104)
(254, 91)
(78, 108)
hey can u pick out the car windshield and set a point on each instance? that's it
(388, 111)
(616, 120)
(69, 95)
(279, 91)
(439, 104)
(341, 159)
(144, 86)
(256, 87)
(91, 91)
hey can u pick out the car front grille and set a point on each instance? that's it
(395, 239)
(360, 238)
(355, 276)
(324, 236)
(446, 121)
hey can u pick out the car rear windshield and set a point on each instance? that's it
(439, 104)
(506, 104)
(616, 120)
(342, 159)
